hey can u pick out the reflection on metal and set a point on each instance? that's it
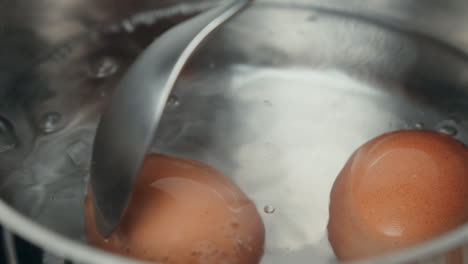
(132, 116)
(277, 100)
(8, 239)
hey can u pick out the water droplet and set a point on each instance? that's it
(449, 130)
(106, 240)
(105, 67)
(448, 127)
(128, 26)
(212, 65)
(8, 138)
(419, 125)
(173, 101)
(50, 122)
(269, 209)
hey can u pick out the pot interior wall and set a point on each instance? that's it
(278, 99)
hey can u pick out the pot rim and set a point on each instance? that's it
(74, 250)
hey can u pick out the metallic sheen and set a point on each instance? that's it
(128, 124)
(277, 99)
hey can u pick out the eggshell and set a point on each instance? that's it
(182, 212)
(396, 191)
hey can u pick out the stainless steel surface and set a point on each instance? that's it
(276, 99)
(9, 247)
(130, 119)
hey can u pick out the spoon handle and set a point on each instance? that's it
(130, 119)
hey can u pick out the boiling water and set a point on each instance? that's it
(281, 133)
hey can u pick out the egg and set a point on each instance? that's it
(183, 212)
(398, 190)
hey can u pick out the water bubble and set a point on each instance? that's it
(8, 138)
(105, 67)
(50, 122)
(269, 209)
(128, 26)
(419, 125)
(173, 101)
(449, 130)
(448, 127)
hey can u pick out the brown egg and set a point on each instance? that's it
(397, 190)
(183, 212)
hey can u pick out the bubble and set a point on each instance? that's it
(50, 122)
(269, 209)
(419, 125)
(448, 127)
(173, 101)
(449, 130)
(128, 26)
(104, 67)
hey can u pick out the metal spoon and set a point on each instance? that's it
(128, 123)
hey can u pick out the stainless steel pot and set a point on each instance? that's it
(277, 99)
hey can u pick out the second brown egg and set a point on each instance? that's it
(398, 190)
